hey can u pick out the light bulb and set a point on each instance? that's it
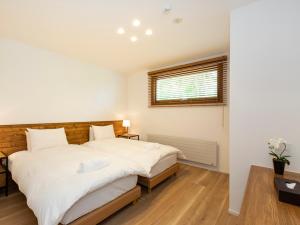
(133, 39)
(136, 23)
(121, 30)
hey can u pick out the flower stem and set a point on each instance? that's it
(284, 144)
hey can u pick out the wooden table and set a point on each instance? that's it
(129, 136)
(261, 205)
(4, 170)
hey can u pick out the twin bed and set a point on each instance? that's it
(64, 184)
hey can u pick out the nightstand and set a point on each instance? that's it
(4, 170)
(129, 136)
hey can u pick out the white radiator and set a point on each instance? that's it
(195, 150)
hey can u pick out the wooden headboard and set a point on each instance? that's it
(13, 139)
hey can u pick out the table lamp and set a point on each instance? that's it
(126, 124)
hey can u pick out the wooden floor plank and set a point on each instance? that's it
(195, 196)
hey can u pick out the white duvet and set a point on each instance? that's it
(144, 154)
(50, 180)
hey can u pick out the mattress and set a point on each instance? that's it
(163, 164)
(99, 198)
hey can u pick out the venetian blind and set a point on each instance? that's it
(198, 83)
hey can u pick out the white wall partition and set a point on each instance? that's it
(264, 85)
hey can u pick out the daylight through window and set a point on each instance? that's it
(195, 84)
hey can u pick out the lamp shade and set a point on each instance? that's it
(126, 123)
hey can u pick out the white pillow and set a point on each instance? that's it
(28, 140)
(103, 132)
(91, 134)
(47, 138)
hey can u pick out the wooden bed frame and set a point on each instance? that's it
(152, 182)
(13, 139)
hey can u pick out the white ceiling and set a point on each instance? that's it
(86, 29)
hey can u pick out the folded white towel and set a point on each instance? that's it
(92, 165)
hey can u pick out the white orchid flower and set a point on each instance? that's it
(272, 142)
(282, 141)
(276, 143)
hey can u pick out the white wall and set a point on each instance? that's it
(264, 84)
(204, 122)
(40, 86)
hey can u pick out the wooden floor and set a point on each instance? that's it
(195, 197)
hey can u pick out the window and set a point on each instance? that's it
(199, 83)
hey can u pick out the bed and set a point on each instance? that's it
(101, 197)
(96, 204)
(162, 170)
(158, 162)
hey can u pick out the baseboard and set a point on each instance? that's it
(233, 212)
(200, 165)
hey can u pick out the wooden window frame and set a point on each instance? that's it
(211, 64)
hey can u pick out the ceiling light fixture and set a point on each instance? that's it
(121, 30)
(136, 23)
(148, 32)
(133, 39)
